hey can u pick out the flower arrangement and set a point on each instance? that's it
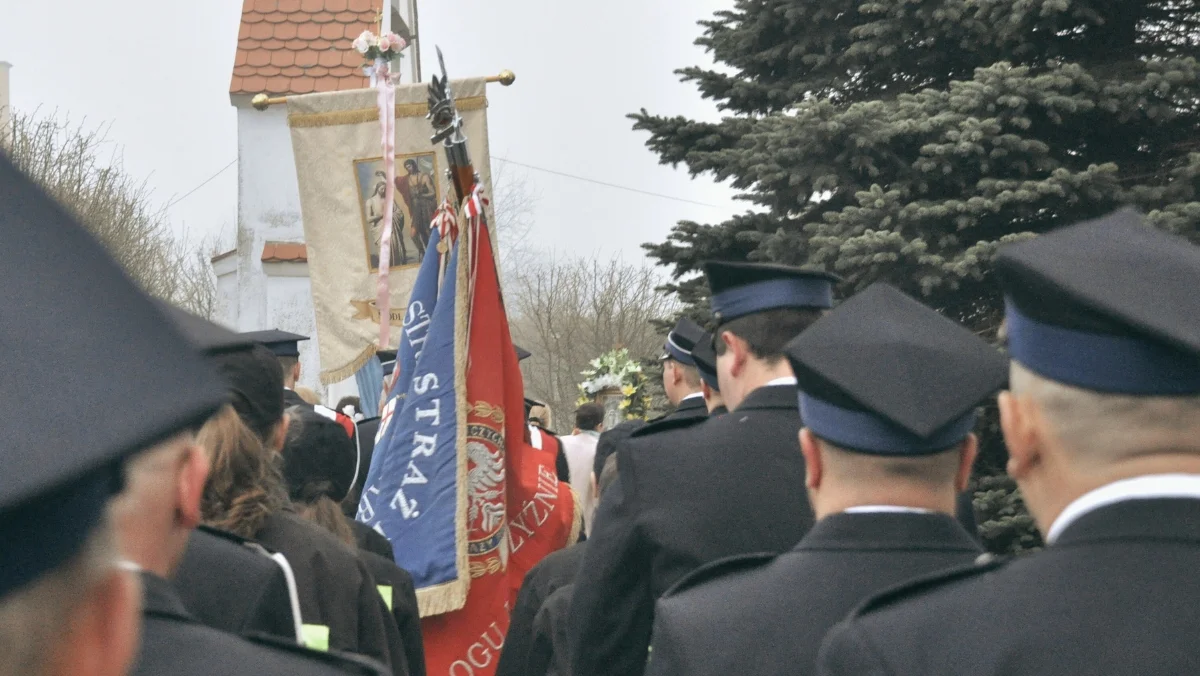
(373, 47)
(616, 370)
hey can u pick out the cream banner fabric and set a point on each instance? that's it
(335, 138)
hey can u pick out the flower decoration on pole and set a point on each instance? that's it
(374, 47)
(378, 50)
(615, 374)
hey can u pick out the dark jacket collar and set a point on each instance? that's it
(888, 530)
(771, 397)
(1137, 519)
(160, 598)
(293, 398)
(691, 405)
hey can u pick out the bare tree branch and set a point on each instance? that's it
(513, 203)
(568, 311)
(65, 159)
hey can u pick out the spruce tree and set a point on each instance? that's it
(905, 140)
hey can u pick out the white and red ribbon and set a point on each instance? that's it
(386, 99)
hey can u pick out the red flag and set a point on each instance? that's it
(518, 510)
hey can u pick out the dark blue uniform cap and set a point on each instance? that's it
(706, 361)
(388, 359)
(682, 340)
(740, 289)
(206, 338)
(522, 353)
(57, 478)
(1108, 305)
(282, 343)
(885, 375)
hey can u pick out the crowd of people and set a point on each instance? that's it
(802, 510)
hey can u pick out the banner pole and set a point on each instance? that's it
(262, 101)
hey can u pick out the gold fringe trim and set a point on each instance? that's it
(443, 598)
(337, 118)
(337, 375)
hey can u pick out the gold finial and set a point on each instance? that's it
(260, 101)
(507, 77)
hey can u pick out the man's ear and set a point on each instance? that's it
(810, 447)
(739, 351)
(296, 370)
(968, 450)
(1021, 435)
(191, 477)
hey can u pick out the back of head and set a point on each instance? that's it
(892, 422)
(540, 415)
(245, 485)
(768, 332)
(1103, 327)
(287, 365)
(766, 305)
(256, 388)
(1102, 427)
(65, 607)
(353, 402)
(589, 416)
(318, 466)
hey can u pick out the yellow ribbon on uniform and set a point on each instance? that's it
(385, 590)
(315, 636)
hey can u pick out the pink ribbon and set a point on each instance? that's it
(386, 98)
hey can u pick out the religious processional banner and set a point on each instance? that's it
(342, 178)
(467, 502)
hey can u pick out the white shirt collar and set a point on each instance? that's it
(535, 436)
(786, 380)
(692, 396)
(890, 509)
(1137, 488)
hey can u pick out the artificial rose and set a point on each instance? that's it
(364, 42)
(398, 43)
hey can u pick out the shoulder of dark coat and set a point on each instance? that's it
(664, 424)
(223, 534)
(933, 582)
(338, 662)
(719, 568)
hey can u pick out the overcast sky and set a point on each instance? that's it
(158, 74)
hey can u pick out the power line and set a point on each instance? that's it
(206, 182)
(607, 184)
(555, 172)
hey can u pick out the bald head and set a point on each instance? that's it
(839, 479)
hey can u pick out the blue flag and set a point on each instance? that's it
(418, 315)
(411, 492)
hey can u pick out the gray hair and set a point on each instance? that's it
(1111, 426)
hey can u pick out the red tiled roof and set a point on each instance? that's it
(285, 252)
(301, 46)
